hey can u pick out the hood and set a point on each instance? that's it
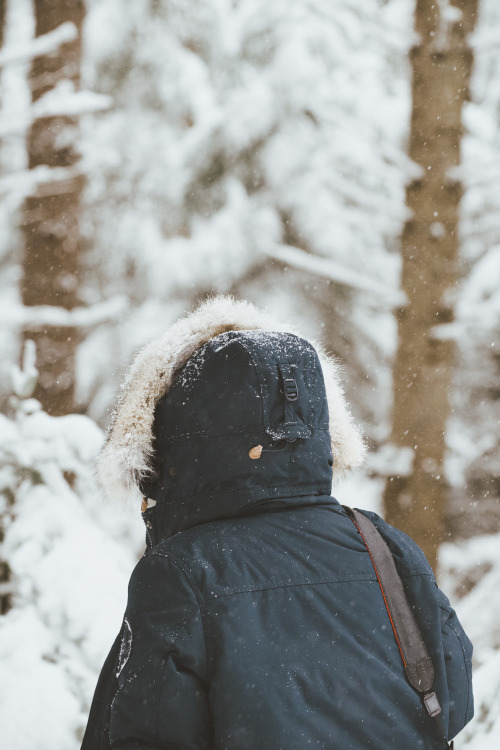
(243, 427)
(221, 381)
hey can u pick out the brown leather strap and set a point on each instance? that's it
(416, 660)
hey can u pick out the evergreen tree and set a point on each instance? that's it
(474, 434)
(254, 148)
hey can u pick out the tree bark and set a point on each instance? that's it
(5, 596)
(51, 215)
(3, 9)
(423, 367)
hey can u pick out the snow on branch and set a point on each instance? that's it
(337, 272)
(64, 101)
(470, 319)
(448, 332)
(61, 101)
(6, 588)
(25, 378)
(449, 15)
(41, 45)
(72, 105)
(27, 180)
(485, 42)
(47, 315)
(392, 460)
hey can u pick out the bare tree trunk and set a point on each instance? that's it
(441, 63)
(51, 215)
(3, 9)
(5, 594)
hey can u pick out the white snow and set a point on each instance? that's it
(471, 572)
(49, 315)
(64, 100)
(70, 559)
(327, 268)
(42, 45)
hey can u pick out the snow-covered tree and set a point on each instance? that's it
(471, 575)
(474, 430)
(66, 561)
(254, 148)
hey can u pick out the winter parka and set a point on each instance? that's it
(255, 620)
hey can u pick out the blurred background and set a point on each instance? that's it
(336, 163)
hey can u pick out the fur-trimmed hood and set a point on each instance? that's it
(126, 458)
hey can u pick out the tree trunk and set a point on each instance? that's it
(441, 64)
(3, 9)
(51, 215)
(5, 574)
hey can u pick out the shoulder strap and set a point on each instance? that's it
(417, 663)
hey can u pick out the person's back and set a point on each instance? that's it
(255, 619)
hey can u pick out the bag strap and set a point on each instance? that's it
(417, 663)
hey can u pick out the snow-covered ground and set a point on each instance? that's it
(70, 560)
(470, 574)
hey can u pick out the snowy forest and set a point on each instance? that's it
(335, 163)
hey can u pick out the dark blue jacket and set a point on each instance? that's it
(255, 620)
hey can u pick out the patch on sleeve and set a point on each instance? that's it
(125, 647)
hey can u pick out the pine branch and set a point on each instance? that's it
(38, 316)
(337, 272)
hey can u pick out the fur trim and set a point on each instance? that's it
(125, 457)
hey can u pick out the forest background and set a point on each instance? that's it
(338, 164)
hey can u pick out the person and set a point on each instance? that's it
(255, 620)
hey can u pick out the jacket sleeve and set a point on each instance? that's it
(449, 648)
(443, 635)
(457, 653)
(159, 699)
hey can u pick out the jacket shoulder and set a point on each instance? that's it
(409, 558)
(159, 586)
(191, 551)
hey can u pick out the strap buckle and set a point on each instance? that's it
(291, 390)
(432, 705)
